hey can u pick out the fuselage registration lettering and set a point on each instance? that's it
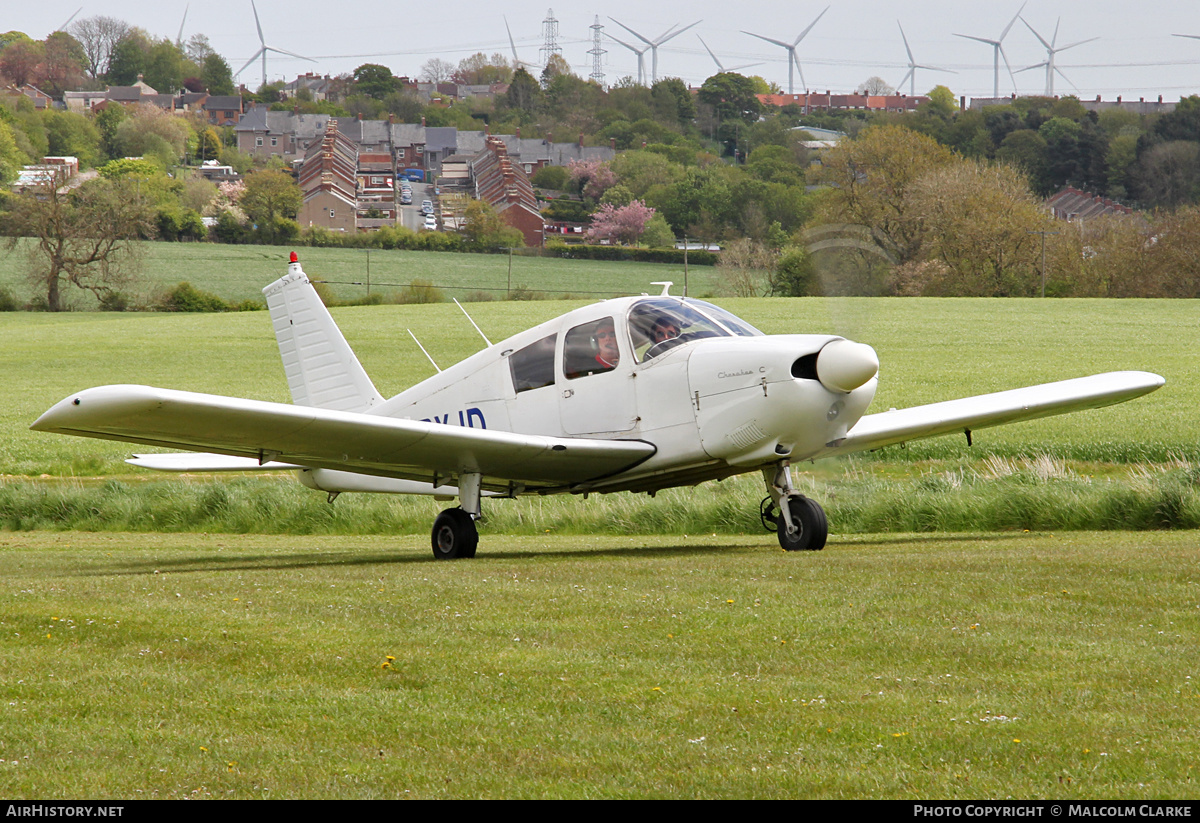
(470, 418)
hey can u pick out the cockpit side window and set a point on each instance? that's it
(590, 348)
(533, 366)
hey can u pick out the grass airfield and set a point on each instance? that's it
(700, 666)
(684, 664)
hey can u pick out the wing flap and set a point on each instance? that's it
(202, 462)
(326, 438)
(875, 431)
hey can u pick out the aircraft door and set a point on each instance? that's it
(596, 390)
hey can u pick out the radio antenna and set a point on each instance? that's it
(464, 311)
(422, 348)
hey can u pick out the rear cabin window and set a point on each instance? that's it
(533, 366)
(590, 348)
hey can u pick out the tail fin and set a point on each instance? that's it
(321, 369)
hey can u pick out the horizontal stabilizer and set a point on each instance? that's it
(875, 431)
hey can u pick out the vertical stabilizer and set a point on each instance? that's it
(321, 369)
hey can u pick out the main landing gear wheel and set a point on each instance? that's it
(454, 535)
(812, 529)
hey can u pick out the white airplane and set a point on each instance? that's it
(632, 394)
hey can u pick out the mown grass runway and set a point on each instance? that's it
(700, 666)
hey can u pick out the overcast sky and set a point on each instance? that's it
(1135, 55)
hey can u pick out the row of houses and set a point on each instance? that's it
(348, 187)
(263, 133)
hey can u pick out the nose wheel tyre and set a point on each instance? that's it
(812, 529)
(454, 535)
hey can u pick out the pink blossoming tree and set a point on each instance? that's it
(624, 224)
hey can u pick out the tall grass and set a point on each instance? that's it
(963, 499)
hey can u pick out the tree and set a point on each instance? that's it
(375, 80)
(524, 93)
(99, 36)
(485, 229)
(979, 219)
(745, 268)
(216, 75)
(437, 70)
(20, 60)
(270, 196)
(1169, 174)
(620, 225)
(480, 70)
(875, 85)
(673, 102)
(128, 59)
(870, 178)
(65, 62)
(591, 177)
(86, 237)
(732, 96)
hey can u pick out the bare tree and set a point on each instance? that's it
(875, 85)
(99, 36)
(85, 236)
(437, 70)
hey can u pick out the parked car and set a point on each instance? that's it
(430, 222)
(427, 207)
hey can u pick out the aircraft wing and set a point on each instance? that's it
(875, 431)
(331, 439)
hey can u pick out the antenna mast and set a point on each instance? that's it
(597, 53)
(550, 35)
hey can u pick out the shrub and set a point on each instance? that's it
(420, 291)
(186, 297)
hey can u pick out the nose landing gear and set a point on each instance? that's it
(798, 520)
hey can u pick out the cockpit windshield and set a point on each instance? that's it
(657, 325)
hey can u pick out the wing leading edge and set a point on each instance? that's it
(331, 439)
(875, 431)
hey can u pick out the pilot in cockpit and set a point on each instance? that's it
(665, 328)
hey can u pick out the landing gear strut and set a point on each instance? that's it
(798, 520)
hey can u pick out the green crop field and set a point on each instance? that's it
(238, 273)
(930, 349)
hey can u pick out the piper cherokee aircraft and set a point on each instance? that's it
(631, 394)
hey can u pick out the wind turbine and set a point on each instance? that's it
(179, 37)
(1051, 50)
(793, 60)
(640, 56)
(63, 27)
(264, 48)
(654, 44)
(998, 52)
(518, 63)
(720, 67)
(913, 65)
